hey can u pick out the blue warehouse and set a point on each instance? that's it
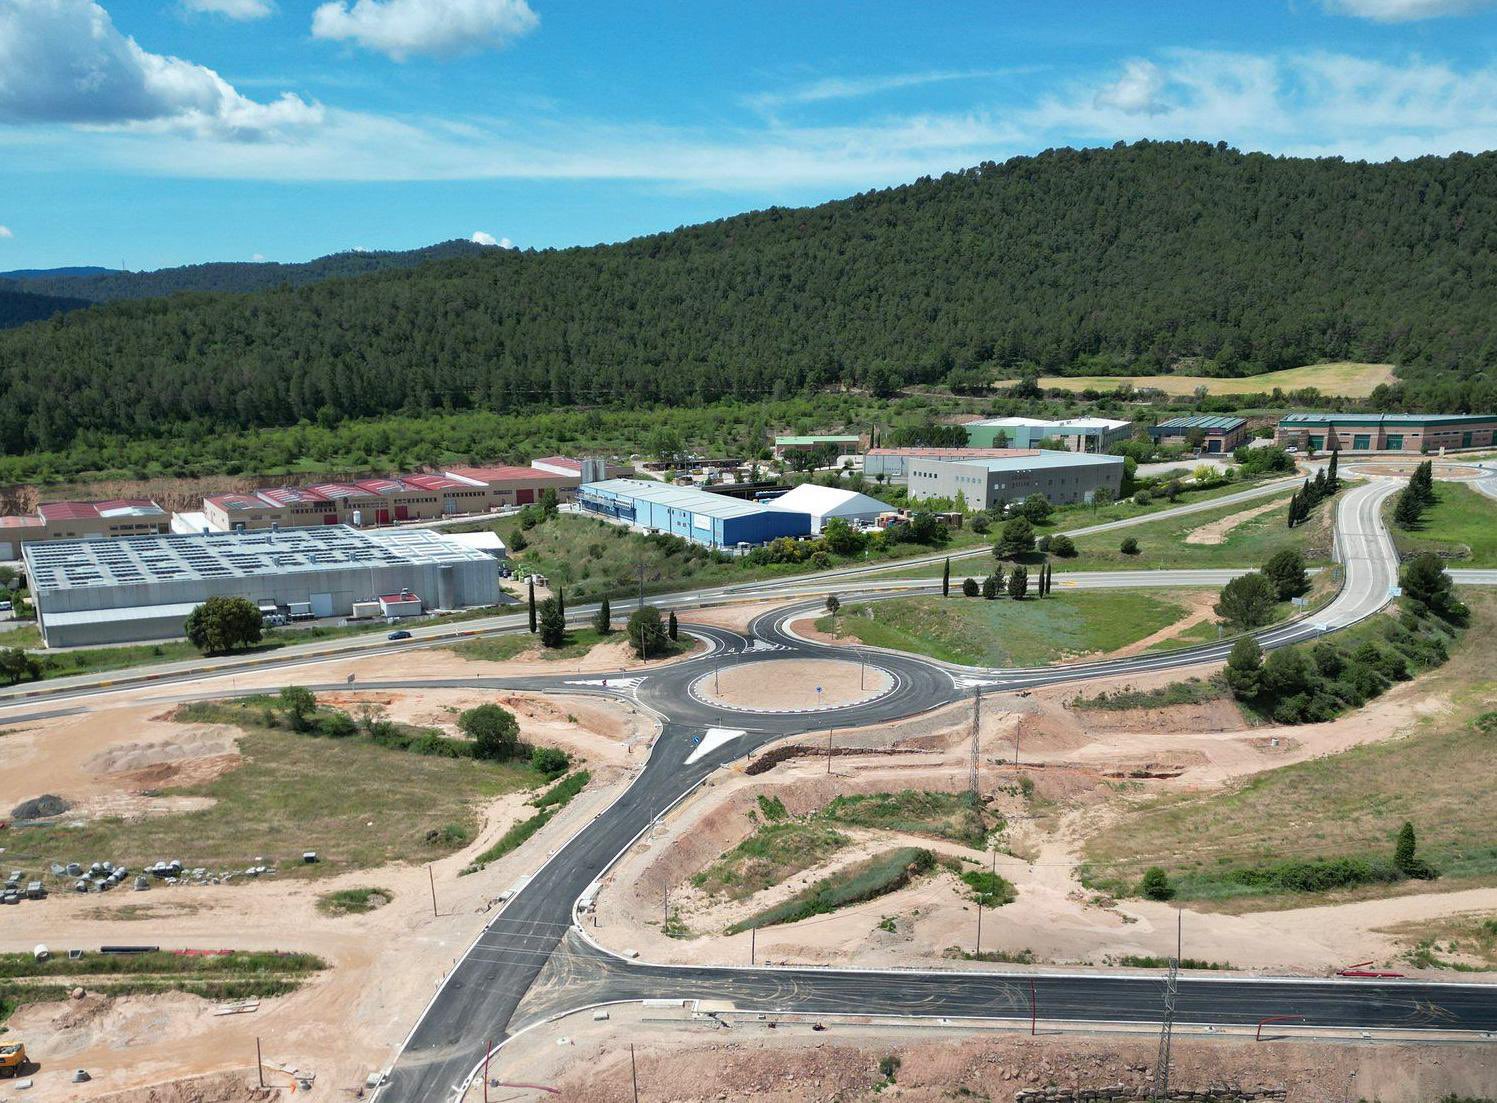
(700, 516)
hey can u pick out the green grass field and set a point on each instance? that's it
(1461, 526)
(1348, 379)
(1347, 805)
(1162, 543)
(866, 880)
(359, 805)
(1007, 633)
(774, 852)
(591, 558)
(954, 816)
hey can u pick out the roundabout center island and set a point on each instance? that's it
(792, 685)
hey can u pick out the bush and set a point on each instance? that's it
(647, 633)
(1062, 547)
(1129, 546)
(493, 729)
(833, 603)
(1017, 538)
(1156, 884)
(1285, 569)
(874, 877)
(549, 760)
(970, 587)
(981, 524)
(1247, 602)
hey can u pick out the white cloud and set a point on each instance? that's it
(1139, 91)
(1405, 11)
(439, 28)
(257, 257)
(64, 61)
(241, 10)
(5, 231)
(482, 238)
(846, 88)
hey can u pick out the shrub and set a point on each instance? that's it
(874, 877)
(1129, 546)
(549, 760)
(1062, 546)
(1156, 884)
(970, 587)
(493, 729)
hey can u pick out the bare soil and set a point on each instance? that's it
(786, 685)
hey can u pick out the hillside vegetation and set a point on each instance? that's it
(1156, 257)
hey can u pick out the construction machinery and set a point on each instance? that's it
(12, 1058)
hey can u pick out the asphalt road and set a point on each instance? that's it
(479, 1000)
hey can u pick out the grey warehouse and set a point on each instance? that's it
(91, 592)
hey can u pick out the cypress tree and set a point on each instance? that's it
(946, 578)
(561, 601)
(603, 619)
(532, 607)
(672, 628)
(1332, 479)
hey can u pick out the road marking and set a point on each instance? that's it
(713, 739)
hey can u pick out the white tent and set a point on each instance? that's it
(825, 502)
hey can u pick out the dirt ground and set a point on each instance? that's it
(384, 965)
(1405, 469)
(1077, 761)
(787, 685)
(734, 1058)
(1216, 532)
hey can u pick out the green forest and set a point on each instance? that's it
(1141, 258)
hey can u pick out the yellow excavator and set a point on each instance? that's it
(12, 1058)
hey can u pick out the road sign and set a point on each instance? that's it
(1395, 591)
(696, 739)
(1300, 601)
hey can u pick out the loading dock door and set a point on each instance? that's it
(524, 497)
(322, 605)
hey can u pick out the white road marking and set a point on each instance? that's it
(713, 739)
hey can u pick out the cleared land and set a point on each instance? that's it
(1163, 544)
(359, 805)
(1344, 806)
(1461, 526)
(1345, 378)
(1007, 633)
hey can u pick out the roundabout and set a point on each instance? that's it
(792, 686)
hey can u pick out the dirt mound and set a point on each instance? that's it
(222, 1087)
(202, 741)
(40, 808)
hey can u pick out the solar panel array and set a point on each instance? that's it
(72, 564)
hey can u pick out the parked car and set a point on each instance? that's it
(400, 635)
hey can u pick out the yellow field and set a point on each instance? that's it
(1347, 379)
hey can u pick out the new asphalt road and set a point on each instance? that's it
(479, 999)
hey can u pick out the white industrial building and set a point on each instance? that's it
(823, 503)
(143, 587)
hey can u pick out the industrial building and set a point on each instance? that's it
(845, 445)
(700, 516)
(1063, 477)
(892, 464)
(82, 521)
(1386, 432)
(143, 587)
(1079, 434)
(1220, 433)
(368, 502)
(822, 503)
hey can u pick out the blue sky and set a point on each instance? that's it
(160, 132)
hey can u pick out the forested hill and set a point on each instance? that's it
(1133, 256)
(103, 285)
(19, 307)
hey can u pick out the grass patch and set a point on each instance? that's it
(1002, 957)
(592, 558)
(353, 901)
(1005, 633)
(775, 852)
(1346, 378)
(552, 801)
(1162, 543)
(580, 641)
(1347, 806)
(359, 805)
(867, 880)
(160, 963)
(1149, 961)
(991, 890)
(1439, 941)
(955, 816)
(1461, 527)
(1192, 691)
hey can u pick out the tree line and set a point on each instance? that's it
(1138, 258)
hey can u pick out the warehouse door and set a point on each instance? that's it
(524, 497)
(402, 513)
(382, 516)
(322, 605)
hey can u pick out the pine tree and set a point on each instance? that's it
(1408, 510)
(603, 618)
(532, 607)
(1018, 583)
(672, 629)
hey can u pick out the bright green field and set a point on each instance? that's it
(1162, 543)
(1007, 633)
(1461, 526)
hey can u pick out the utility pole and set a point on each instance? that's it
(1167, 1027)
(486, 1053)
(634, 1072)
(753, 940)
(432, 880)
(641, 583)
(259, 1065)
(977, 950)
(829, 752)
(976, 726)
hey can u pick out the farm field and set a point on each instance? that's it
(1347, 379)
